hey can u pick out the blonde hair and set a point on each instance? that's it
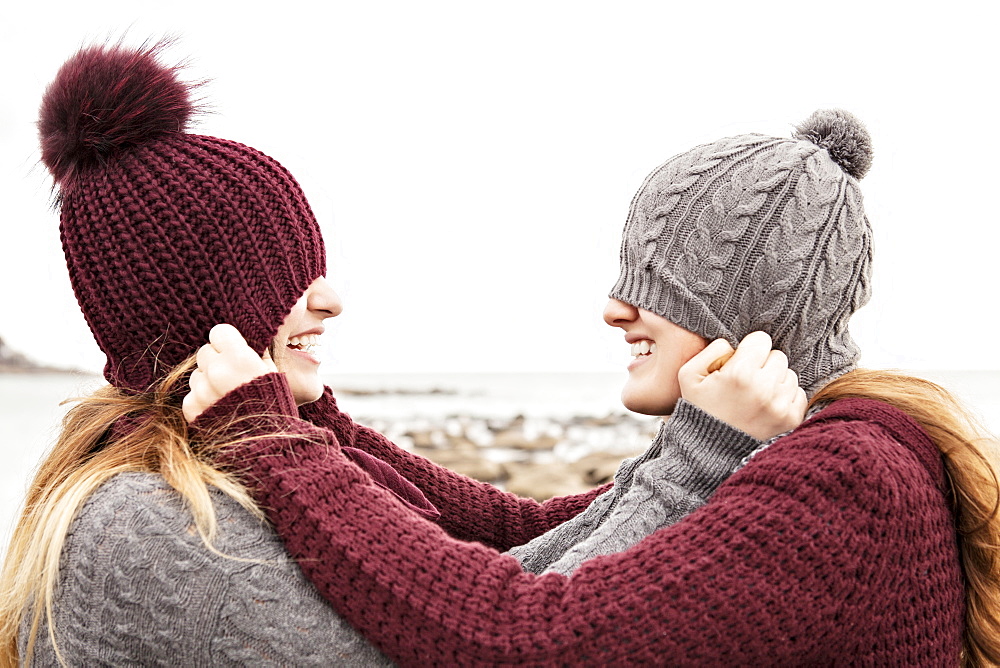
(970, 463)
(86, 455)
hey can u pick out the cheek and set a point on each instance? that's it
(653, 389)
(279, 355)
(666, 375)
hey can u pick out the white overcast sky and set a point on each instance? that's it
(472, 163)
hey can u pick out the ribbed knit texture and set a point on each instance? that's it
(753, 233)
(169, 234)
(138, 587)
(274, 400)
(469, 509)
(179, 236)
(833, 545)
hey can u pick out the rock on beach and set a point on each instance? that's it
(535, 457)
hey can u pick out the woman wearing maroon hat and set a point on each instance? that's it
(134, 548)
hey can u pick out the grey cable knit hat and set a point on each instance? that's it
(759, 233)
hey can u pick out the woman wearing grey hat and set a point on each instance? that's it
(869, 534)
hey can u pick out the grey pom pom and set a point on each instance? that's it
(843, 136)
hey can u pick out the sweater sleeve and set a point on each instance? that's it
(268, 408)
(698, 453)
(796, 559)
(470, 509)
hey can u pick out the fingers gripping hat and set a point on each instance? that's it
(759, 233)
(167, 233)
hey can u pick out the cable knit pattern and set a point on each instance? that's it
(539, 554)
(844, 267)
(833, 545)
(664, 189)
(692, 454)
(720, 227)
(138, 587)
(754, 233)
(789, 246)
(673, 180)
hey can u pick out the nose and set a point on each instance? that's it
(618, 313)
(323, 300)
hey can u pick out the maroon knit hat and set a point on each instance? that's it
(167, 233)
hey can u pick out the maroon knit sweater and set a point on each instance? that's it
(834, 545)
(470, 510)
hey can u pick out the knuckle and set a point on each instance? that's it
(742, 379)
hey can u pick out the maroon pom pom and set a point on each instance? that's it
(106, 99)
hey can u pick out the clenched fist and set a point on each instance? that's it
(224, 363)
(755, 391)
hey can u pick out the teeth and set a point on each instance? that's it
(305, 343)
(643, 347)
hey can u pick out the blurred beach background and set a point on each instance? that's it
(540, 434)
(471, 165)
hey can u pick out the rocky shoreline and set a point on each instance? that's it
(12, 361)
(536, 457)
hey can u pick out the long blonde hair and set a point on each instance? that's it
(86, 455)
(970, 462)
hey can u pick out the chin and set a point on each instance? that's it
(307, 394)
(644, 404)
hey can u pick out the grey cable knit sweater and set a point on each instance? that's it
(138, 587)
(692, 454)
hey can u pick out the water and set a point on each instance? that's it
(29, 422)
(31, 412)
(434, 396)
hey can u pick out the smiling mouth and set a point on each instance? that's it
(643, 348)
(306, 343)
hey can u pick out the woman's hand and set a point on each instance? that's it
(224, 363)
(755, 391)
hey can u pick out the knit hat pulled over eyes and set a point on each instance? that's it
(759, 233)
(166, 233)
